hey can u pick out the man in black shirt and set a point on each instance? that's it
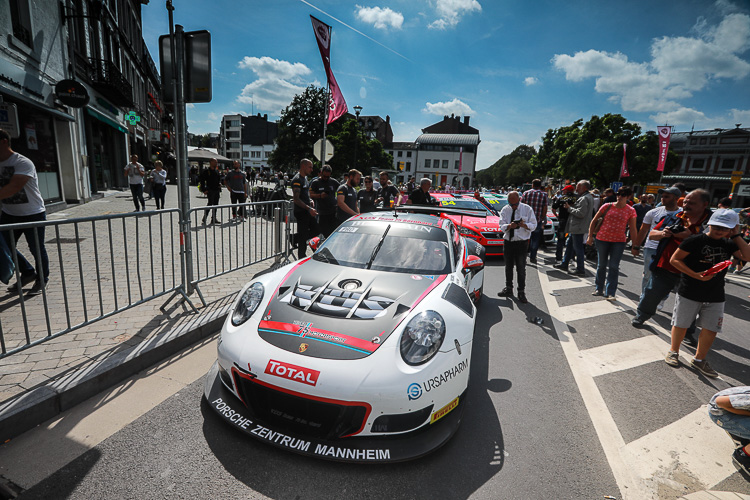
(211, 185)
(700, 293)
(367, 197)
(422, 196)
(307, 226)
(388, 192)
(323, 191)
(346, 196)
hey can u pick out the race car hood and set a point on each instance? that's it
(490, 223)
(335, 312)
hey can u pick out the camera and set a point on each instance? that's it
(677, 227)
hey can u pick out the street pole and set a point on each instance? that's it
(357, 111)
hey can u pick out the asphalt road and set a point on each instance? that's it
(528, 431)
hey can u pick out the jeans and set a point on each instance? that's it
(648, 255)
(560, 243)
(575, 245)
(515, 256)
(237, 198)
(661, 283)
(159, 191)
(32, 236)
(609, 254)
(737, 425)
(137, 190)
(535, 240)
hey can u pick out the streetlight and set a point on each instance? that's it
(357, 110)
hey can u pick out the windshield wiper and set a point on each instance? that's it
(377, 247)
(325, 255)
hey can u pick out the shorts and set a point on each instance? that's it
(710, 314)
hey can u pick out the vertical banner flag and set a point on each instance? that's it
(624, 167)
(336, 104)
(460, 158)
(664, 135)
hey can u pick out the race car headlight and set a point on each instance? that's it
(467, 232)
(422, 337)
(247, 304)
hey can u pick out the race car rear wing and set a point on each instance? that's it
(437, 210)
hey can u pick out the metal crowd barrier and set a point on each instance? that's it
(99, 266)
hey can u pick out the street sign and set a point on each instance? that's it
(197, 64)
(654, 188)
(616, 186)
(736, 176)
(9, 119)
(317, 150)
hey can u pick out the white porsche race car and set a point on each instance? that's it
(361, 352)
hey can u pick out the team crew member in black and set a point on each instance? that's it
(367, 197)
(346, 196)
(699, 294)
(422, 196)
(211, 185)
(307, 226)
(323, 191)
(388, 192)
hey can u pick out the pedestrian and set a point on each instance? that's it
(609, 196)
(670, 232)
(211, 186)
(517, 222)
(701, 293)
(135, 173)
(730, 410)
(610, 241)
(725, 202)
(579, 219)
(304, 211)
(346, 196)
(422, 195)
(236, 183)
(389, 193)
(566, 195)
(411, 186)
(538, 201)
(367, 197)
(22, 202)
(323, 191)
(641, 209)
(159, 184)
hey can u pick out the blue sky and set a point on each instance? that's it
(517, 68)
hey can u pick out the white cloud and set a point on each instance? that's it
(451, 11)
(277, 84)
(530, 80)
(741, 116)
(682, 116)
(212, 116)
(380, 18)
(679, 67)
(454, 107)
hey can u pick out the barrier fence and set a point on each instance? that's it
(101, 266)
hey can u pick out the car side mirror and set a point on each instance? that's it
(314, 243)
(474, 263)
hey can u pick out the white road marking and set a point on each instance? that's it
(620, 356)
(588, 310)
(36, 454)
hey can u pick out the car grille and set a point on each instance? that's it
(301, 415)
(492, 236)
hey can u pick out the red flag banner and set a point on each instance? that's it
(664, 134)
(624, 167)
(336, 104)
(460, 158)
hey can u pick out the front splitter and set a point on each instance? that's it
(367, 449)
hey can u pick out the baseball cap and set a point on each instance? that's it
(569, 188)
(724, 217)
(671, 190)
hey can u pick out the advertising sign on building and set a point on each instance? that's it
(9, 119)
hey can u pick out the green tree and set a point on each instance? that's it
(513, 168)
(369, 153)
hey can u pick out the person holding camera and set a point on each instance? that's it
(517, 222)
(565, 196)
(670, 232)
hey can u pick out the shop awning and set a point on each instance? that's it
(31, 102)
(680, 177)
(109, 121)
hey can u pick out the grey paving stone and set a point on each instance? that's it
(604, 329)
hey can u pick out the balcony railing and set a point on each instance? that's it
(112, 83)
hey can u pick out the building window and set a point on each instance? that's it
(457, 165)
(445, 163)
(246, 154)
(427, 163)
(408, 154)
(20, 18)
(267, 154)
(703, 140)
(693, 142)
(698, 165)
(712, 140)
(408, 166)
(727, 164)
(734, 140)
(400, 154)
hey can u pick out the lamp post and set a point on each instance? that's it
(357, 110)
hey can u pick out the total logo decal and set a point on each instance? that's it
(415, 391)
(292, 372)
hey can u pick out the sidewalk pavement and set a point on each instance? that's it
(40, 382)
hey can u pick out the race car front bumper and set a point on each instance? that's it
(358, 449)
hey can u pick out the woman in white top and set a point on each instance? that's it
(159, 189)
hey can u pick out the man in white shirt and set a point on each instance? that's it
(22, 202)
(135, 172)
(517, 221)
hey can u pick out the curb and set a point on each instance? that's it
(45, 402)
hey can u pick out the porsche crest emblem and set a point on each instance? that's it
(303, 347)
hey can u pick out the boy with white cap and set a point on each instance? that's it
(702, 294)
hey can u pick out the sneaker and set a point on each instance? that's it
(39, 285)
(577, 273)
(704, 368)
(673, 358)
(506, 292)
(740, 458)
(597, 293)
(25, 280)
(522, 297)
(532, 260)
(560, 265)
(611, 298)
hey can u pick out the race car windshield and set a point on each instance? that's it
(464, 203)
(396, 247)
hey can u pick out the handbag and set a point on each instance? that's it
(600, 220)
